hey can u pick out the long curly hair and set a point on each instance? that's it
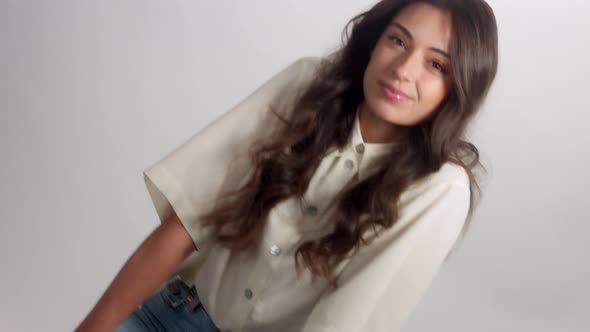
(324, 118)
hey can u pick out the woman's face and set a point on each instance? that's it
(408, 74)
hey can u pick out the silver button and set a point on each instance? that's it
(312, 210)
(360, 148)
(349, 165)
(248, 293)
(275, 250)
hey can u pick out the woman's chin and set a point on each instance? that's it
(394, 114)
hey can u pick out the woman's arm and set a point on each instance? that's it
(149, 266)
(187, 182)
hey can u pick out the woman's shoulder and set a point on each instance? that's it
(450, 178)
(452, 174)
(303, 69)
(309, 62)
(292, 80)
(449, 174)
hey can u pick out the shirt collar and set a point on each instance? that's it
(368, 155)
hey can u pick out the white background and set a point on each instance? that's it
(92, 92)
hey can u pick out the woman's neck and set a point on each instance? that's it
(376, 130)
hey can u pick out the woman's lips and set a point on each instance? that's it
(393, 94)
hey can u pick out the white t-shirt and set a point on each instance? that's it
(258, 289)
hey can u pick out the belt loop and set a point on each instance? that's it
(193, 301)
(177, 292)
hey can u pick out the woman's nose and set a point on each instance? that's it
(407, 66)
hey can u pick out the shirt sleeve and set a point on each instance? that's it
(215, 160)
(383, 282)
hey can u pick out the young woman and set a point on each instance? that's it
(330, 197)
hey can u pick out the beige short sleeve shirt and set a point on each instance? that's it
(258, 289)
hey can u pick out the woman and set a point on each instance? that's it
(329, 198)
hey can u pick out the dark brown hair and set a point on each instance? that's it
(324, 118)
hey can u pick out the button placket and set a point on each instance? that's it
(283, 221)
(323, 189)
(360, 148)
(277, 244)
(311, 210)
(349, 164)
(255, 289)
(248, 293)
(275, 250)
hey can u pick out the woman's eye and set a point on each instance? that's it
(438, 66)
(397, 41)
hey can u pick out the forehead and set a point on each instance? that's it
(429, 25)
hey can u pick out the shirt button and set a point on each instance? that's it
(360, 148)
(312, 210)
(248, 293)
(275, 250)
(349, 165)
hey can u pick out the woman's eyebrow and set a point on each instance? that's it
(403, 29)
(410, 37)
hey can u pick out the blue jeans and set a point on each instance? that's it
(174, 308)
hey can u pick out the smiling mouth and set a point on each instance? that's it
(393, 94)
